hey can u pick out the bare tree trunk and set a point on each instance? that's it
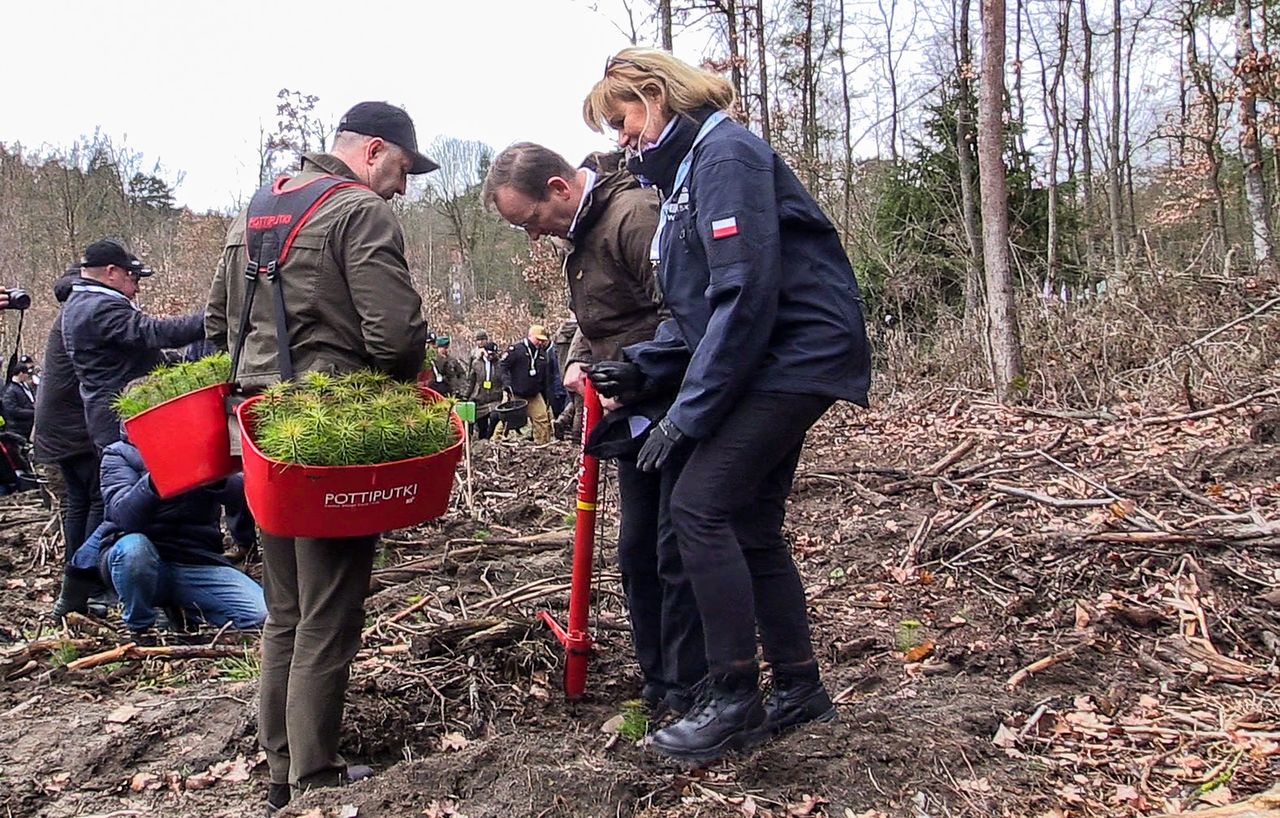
(965, 160)
(847, 134)
(809, 122)
(664, 23)
(1114, 203)
(1020, 108)
(1086, 138)
(887, 17)
(1053, 118)
(1184, 123)
(1002, 332)
(1207, 133)
(762, 67)
(729, 8)
(1254, 187)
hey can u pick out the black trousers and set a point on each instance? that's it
(82, 503)
(728, 507)
(664, 614)
(483, 427)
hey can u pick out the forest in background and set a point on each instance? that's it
(1061, 200)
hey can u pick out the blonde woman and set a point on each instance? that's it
(766, 333)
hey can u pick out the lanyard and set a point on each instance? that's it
(533, 358)
(669, 206)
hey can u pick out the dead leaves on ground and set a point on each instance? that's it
(235, 770)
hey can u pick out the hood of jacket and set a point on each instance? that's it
(62, 287)
(612, 178)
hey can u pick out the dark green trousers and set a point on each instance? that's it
(315, 591)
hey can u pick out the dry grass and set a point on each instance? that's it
(1153, 344)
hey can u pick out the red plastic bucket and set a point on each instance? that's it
(289, 500)
(184, 441)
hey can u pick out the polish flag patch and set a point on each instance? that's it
(724, 228)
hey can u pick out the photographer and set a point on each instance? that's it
(109, 339)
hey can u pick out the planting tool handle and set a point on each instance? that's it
(578, 639)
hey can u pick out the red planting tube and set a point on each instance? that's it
(576, 639)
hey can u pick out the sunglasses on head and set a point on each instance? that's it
(614, 62)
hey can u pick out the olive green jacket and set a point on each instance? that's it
(348, 297)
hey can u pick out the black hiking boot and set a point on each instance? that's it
(796, 699)
(278, 797)
(334, 778)
(728, 716)
(74, 596)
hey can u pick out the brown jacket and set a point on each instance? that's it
(611, 285)
(485, 397)
(347, 291)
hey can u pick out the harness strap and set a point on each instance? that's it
(272, 223)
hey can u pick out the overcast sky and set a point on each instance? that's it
(189, 83)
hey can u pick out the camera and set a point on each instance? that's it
(18, 299)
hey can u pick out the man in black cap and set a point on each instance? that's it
(108, 338)
(348, 304)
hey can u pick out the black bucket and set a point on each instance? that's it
(513, 414)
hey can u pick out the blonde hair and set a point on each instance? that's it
(649, 74)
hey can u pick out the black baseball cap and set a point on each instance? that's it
(390, 123)
(102, 253)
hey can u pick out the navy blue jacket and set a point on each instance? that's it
(515, 365)
(770, 306)
(185, 529)
(19, 408)
(110, 342)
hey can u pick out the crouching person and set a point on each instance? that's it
(168, 553)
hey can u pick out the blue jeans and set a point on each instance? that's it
(218, 594)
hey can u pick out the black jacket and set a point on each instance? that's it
(19, 408)
(111, 342)
(526, 370)
(60, 431)
(761, 293)
(185, 529)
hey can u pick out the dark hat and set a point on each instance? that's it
(482, 335)
(102, 253)
(390, 123)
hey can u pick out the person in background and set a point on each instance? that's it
(557, 395)
(448, 374)
(108, 338)
(36, 372)
(19, 402)
(478, 348)
(526, 374)
(766, 332)
(485, 390)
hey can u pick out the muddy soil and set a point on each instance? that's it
(1131, 574)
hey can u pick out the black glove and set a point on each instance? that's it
(663, 441)
(614, 378)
